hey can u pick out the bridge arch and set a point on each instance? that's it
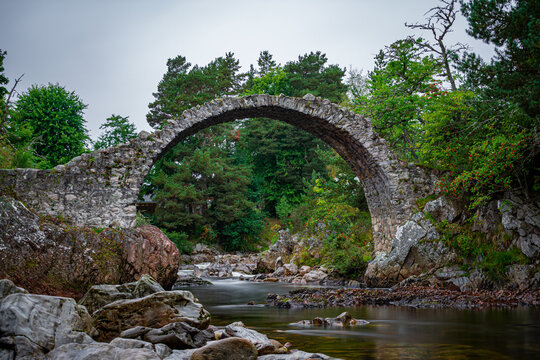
(101, 188)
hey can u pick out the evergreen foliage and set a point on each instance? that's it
(184, 86)
(116, 130)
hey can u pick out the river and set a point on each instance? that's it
(393, 333)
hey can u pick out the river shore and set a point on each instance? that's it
(412, 295)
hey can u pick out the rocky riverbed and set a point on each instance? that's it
(138, 320)
(412, 295)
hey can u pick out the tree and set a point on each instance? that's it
(55, 117)
(3, 79)
(514, 28)
(439, 22)
(310, 74)
(265, 62)
(202, 190)
(184, 86)
(399, 89)
(201, 185)
(117, 130)
(283, 156)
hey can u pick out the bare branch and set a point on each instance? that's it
(439, 22)
(4, 115)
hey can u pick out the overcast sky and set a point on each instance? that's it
(113, 53)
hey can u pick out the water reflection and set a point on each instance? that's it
(393, 332)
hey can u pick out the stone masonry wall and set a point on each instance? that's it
(101, 188)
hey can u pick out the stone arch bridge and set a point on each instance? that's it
(101, 188)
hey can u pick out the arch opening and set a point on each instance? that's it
(349, 134)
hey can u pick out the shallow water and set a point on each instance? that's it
(393, 333)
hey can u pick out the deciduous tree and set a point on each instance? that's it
(54, 116)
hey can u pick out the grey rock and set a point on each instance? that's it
(146, 285)
(290, 269)
(162, 350)
(342, 320)
(508, 220)
(179, 336)
(407, 236)
(280, 271)
(131, 344)
(304, 269)
(180, 354)
(155, 310)
(315, 276)
(136, 332)
(261, 341)
(35, 324)
(227, 349)
(410, 255)
(100, 351)
(487, 218)
(100, 295)
(447, 273)
(190, 281)
(523, 277)
(442, 209)
(7, 287)
(279, 263)
(296, 355)
(530, 245)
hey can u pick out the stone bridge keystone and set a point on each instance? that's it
(101, 188)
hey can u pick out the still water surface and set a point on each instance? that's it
(393, 333)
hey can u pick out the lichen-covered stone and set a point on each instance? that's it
(155, 311)
(47, 256)
(442, 209)
(100, 295)
(414, 251)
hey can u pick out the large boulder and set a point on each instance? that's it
(266, 262)
(155, 310)
(290, 269)
(283, 248)
(227, 349)
(523, 219)
(101, 351)
(315, 276)
(151, 252)
(32, 325)
(48, 256)
(100, 295)
(176, 335)
(261, 341)
(415, 250)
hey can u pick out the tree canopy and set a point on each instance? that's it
(116, 130)
(54, 116)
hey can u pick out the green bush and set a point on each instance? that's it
(181, 241)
